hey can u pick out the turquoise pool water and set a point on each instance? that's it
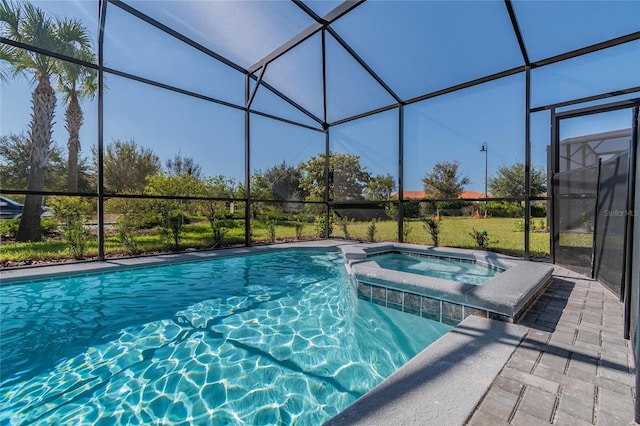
(276, 338)
(464, 272)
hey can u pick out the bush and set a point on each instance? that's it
(406, 230)
(218, 231)
(320, 226)
(71, 211)
(126, 235)
(298, 227)
(540, 224)
(9, 228)
(49, 227)
(481, 237)
(271, 229)
(343, 223)
(505, 209)
(77, 236)
(539, 210)
(519, 225)
(371, 231)
(433, 228)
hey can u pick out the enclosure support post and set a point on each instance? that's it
(527, 164)
(102, 12)
(247, 167)
(631, 210)
(401, 173)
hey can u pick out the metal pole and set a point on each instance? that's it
(100, 208)
(485, 149)
(527, 165)
(486, 178)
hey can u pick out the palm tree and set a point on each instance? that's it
(30, 25)
(75, 82)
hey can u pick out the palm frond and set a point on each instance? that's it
(7, 58)
(10, 17)
(72, 35)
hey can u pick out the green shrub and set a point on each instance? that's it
(271, 229)
(371, 231)
(9, 228)
(320, 226)
(126, 235)
(49, 227)
(481, 237)
(343, 223)
(433, 228)
(76, 236)
(505, 209)
(539, 210)
(519, 225)
(406, 230)
(540, 224)
(71, 211)
(299, 226)
(219, 231)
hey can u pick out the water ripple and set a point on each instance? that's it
(235, 351)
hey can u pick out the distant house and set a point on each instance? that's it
(419, 195)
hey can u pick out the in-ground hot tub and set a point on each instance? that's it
(505, 295)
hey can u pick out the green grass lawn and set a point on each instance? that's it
(503, 233)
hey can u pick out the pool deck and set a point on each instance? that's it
(573, 366)
(564, 362)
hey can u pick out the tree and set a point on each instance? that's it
(170, 212)
(76, 82)
(347, 177)
(284, 182)
(509, 181)
(280, 182)
(260, 190)
(380, 188)
(14, 164)
(126, 166)
(186, 166)
(444, 181)
(30, 25)
(216, 187)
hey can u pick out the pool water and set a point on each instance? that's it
(276, 338)
(464, 272)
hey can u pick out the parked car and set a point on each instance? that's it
(10, 209)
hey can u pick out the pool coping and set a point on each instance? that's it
(504, 297)
(44, 272)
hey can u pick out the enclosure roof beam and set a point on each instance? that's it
(518, 33)
(312, 29)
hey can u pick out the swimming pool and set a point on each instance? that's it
(272, 338)
(438, 267)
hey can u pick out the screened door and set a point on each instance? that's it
(590, 192)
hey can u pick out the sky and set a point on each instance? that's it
(427, 54)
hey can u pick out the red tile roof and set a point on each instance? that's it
(418, 195)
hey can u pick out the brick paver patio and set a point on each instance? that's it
(574, 366)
